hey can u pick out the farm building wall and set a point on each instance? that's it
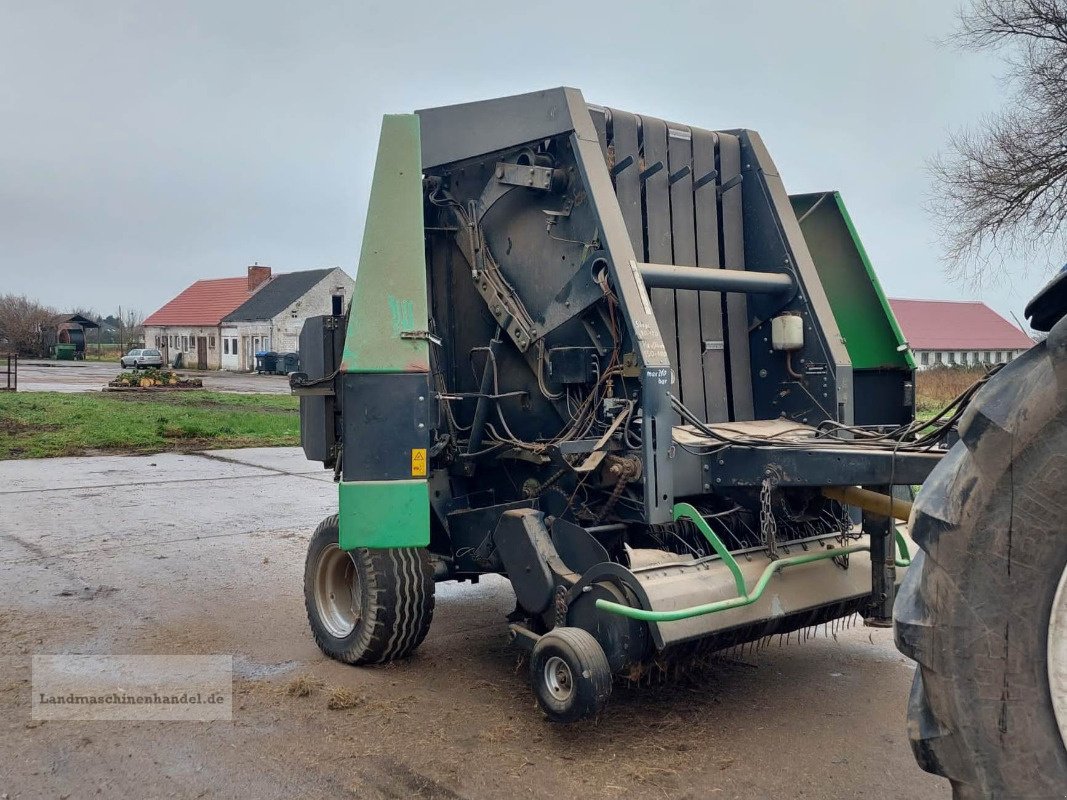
(286, 326)
(281, 333)
(929, 359)
(172, 340)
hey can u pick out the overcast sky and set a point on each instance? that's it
(144, 145)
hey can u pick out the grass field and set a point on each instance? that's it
(46, 424)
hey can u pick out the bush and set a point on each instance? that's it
(936, 388)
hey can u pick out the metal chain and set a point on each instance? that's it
(616, 493)
(767, 524)
(561, 606)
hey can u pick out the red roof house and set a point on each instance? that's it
(187, 329)
(206, 302)
(968, 327)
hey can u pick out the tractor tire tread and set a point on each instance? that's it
(950, 615)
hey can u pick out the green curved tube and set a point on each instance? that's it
(744, 597)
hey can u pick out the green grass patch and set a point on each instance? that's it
(47, 424)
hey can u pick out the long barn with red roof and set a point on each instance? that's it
(957, 333)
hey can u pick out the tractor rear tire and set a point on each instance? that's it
(983, 608)
(570, 675)
(366, 606)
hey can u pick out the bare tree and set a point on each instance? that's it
(22, 322)
(1002, 186)
(133, 322)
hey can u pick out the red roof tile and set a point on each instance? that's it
(956, 325)
(204, 303)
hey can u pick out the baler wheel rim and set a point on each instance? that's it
(337, 591)
(559, 680)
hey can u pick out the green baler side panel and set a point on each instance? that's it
(389, 301)
(390, 294)
(382, 514)
(860, 307)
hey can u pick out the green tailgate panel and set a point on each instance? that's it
(863, 315)
(386, 341)
(384, 514)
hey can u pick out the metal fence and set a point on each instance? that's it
(9, 377)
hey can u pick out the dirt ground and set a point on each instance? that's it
(84, 376)
(203, 554)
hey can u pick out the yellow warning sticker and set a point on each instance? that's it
(418, 463)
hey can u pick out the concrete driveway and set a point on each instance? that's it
(85, 376)
(203, 554)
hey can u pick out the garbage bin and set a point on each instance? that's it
(64, 352)
(288, 363)
(266, 361)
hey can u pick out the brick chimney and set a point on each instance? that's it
(257, 276)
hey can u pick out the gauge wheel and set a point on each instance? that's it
(570, 675)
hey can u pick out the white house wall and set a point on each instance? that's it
(282, 333)
(229, 357)
(286, 326)
(174, 339)
(252, 338)
(929, 359)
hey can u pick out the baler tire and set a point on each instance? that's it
(575, 654)
(395, 589)
(975, 607)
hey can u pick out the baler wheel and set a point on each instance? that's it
(366, 606)
(983, 607)
(570, 675)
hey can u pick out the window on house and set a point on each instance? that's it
(211, 342)
(225, 346)
(924, 359)
(185, 343)
(233, 345)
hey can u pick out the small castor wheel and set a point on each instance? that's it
(570, 675)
